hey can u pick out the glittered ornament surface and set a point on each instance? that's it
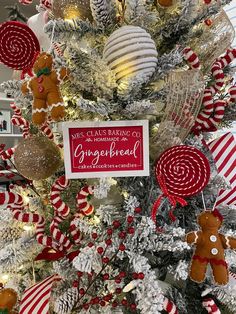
(37, 158)
(71, 9)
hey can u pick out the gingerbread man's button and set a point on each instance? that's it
(214, 251)
(213, 238)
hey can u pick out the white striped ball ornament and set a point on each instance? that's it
(130, 52)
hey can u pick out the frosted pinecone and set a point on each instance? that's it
(100, 11)
(8, 234)
(65, 303)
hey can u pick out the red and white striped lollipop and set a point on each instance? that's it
(185, 169)
(18, 46)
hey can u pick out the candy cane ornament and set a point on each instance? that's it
(169, 307)
(60, 184)
(210, 306)
(58, 235)
(61, 212)
(232, 93)
(74, 231)
(18, 120)
(7, 154)
(82, 200)
(15, 202)
(191, 57)
(47, 131)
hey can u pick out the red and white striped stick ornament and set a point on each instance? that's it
(35, 300)
(83, 204)
(169, 307)
(74, 231)
(47, 131)
(18, 120)
(7, 154)
(232, 93)
(15, 203)
(61, 212)
(210, 306)
(59, 185)
(25, 2)
(191, 57)
(56, 233)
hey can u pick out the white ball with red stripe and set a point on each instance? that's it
(210, 306)
(191, 57)
(60, 184)
(169, 307)
(82, 200)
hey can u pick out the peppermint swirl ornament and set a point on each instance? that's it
(185, 169)
(18, 46)
(181, 171)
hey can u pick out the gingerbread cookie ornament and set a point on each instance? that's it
(45, 88)
(210, 246)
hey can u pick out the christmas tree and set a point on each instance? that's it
(125, 193)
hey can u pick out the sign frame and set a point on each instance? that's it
(66, 126)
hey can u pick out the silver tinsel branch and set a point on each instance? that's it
(64, 30)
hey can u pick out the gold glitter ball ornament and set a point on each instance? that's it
(37, 158)
(72, 9)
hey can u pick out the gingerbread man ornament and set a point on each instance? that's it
(210, 246)
(44, 86)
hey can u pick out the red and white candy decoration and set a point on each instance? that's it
(47, 131)
(18, 46)
(15, 203)
(213, 111)
(181, 171)
(7, 154)
(25, 2)
(83, 204)
(232, 93)
(210, 306)
(59, 185)
(191, 57)
(18, 120)
(169, 306)
(185, 169)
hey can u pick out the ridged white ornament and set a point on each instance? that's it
(131, 53)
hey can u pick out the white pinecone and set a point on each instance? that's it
(65, 303)
(101, 11)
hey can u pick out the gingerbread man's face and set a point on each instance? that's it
(207, 220)
(44, 60)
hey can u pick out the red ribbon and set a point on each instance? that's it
(172, 199)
